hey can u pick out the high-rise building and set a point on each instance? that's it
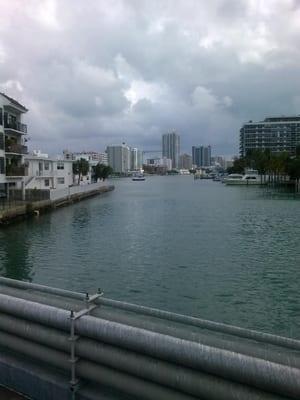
(185, 161)
(136, 159)
(201, 156)
(276, 134)
(119, 158)
(171, 147)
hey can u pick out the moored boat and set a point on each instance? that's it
(250, 178)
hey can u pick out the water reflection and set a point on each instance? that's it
(14, 254)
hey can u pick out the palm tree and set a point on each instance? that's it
(81, 168)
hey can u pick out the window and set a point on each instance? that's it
(2, 171)
(1, 117)
(60, 181)
(60, 165)
(1, 141)
(47, 165)
(47, 182)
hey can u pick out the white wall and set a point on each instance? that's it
(62, 193)
(38, 175)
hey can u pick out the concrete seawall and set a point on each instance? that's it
(28, 209)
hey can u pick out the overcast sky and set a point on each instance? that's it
(101, 72)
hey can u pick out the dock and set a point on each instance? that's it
(59, 344)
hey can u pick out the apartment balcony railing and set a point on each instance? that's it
(16, 148)
(17, 126)
(16, 170)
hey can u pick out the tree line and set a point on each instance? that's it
(100, 171)
(276, 166)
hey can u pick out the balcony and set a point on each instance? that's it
(16, 126)
(16, 171)
(16, 148)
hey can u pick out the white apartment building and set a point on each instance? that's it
(136, 159)
(12, 144)
(161, 162)
(48, 173)
(119, 158)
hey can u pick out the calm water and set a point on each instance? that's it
(194, 247)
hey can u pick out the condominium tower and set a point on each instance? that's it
(119, 158)
(276, 134)
(201, 156)
(171, 147)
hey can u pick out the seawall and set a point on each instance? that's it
(35, 208)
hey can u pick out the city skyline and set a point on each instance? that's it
(146, 69)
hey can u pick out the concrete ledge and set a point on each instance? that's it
(13, 214)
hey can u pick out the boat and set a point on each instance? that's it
(249, 178)
(139, 177)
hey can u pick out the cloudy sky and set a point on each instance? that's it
(99, 72)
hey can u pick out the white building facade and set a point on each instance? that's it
(119, 158)
(161, 162)
(47, 173)
(136, 159)
(12, 144)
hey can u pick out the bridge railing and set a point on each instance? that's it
(141, 352)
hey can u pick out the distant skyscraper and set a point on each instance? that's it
(201, 156)
(185, 161)
(119, 158)
(171, 147)
(136, 157)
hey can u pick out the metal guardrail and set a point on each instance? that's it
(142, 352)
(16, 126)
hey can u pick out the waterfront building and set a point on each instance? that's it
(218, 161)
(161, 162)
(201, 156)
(119, 158)
(277, 134)
(171, 147)
(92, 156)
(136, 159)
(185, 161)
(47, 173)
(12, 144)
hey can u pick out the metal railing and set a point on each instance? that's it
(16, 126)
(141, 352)
(16, 148)
(16, 171)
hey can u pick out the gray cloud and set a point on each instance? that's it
(99, 72)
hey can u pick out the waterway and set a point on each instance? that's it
(228, 254)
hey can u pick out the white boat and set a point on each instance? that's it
(250, 178)
(139, 177)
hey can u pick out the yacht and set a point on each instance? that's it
(138, 177)
(249, 178)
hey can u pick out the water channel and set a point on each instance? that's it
(223, 253)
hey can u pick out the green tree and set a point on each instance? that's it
(239, 164)
(293, 171)
(81, 168)
(102, 171)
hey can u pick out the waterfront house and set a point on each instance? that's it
(48, 173)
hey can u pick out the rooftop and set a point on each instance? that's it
(15, 102)
(282, 118)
